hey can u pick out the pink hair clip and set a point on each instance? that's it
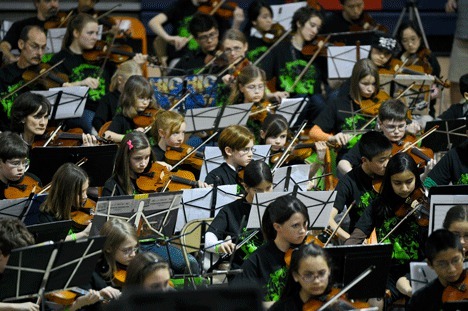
(129, 144)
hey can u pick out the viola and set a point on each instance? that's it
(145, 118)
(275, 32)
(159, 177)
(366, 22)
(420, 155)
(117, 54)
(457, 291)
(175, 154)
(46, 79)
(418, 200)
(23, 189)
(341, 304)
(371, 106)
(222, 8)
(83, 215)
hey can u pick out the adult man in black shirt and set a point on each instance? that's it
(45, 10)
(32, 43)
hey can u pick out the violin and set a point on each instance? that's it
(159, 177)
(366, 22)
(311, 47)
(420, 155)
(175, 154)
(457, 291)
(222, 8)
(119, 278)
(275, 32)
(371, 106)
(67, 297)
(238, 68)
(299, 152)
(23, 189)
(83, 215)
(260, 111)
(417, 200)
(118, 53)
(145, 118)
(60, 20)
(309, 239)
(47, 79)
(341, 304)
(72, 137)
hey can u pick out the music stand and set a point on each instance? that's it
(197, 203)
(351, 260)
(24, 209)
(448, 135)
(442, 199)
(283, 13)
(66, 102)
(214, 158)
(319, 205)
(55, 39)
(291, 108)
(203, 299)
(53, 231)
(341, 59)
(421, 275)
(99, 166)
(157, 210)
(291, 177)
(34, 270)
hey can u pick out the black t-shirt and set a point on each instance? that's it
(455, 111)
(257, 47)
(191, 62)
(112, 188)
(427, 298)
(227, 176)
(77, 68)
(293, 303)
(13, 34)
(286, 63)
(353, 156)
(452, 168)
(265, 268)
(106, 109)
(121, 124)
(335, 22)
(356, 186)
(159, 153)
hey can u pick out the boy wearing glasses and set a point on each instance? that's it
(444, 254)
(14, 162)
(392, 123)
(236, 144)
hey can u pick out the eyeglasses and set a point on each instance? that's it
(36, 47)
(18, 163)
(393, 128)
(247, 150)
(445, 264)
(128, 251)
(234, 49)
(251, 87)
(310, 277)
(210, 36)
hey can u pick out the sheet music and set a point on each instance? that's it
(290, 108)
(197, 203)
(341, 60)
(299, 176)
(319, 206)
(214, 158)
(283, 13)
(421, 274)
(12, 208)
(72, 102)
(440, 204)
(201, 119)
(235, 114)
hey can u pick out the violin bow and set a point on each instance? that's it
(358, 279)
(216, 56)
(288, 150)
(339, 223)
(320, 44)
(237, 61)
(65, 19)
(286, 33)
(194, 150)
(108, 12)
(32, 80)
(432, 130)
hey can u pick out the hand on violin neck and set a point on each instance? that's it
(89, 140)
(178, 42)
(413, 128)
(140, 59)
(168, 166)
(340, 139)
(238, 18)
(227, 247)
(228, 79)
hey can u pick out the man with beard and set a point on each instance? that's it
(32, 43)
(46, 9)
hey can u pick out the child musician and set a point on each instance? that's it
(445, 256)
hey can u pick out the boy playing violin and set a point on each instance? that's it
(14, 163)
(357, 185)
(444, 254)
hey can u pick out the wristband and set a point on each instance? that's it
(73, 236)
(216, 248)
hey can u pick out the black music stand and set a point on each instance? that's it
(351, 260)
(319, 206)
(207, 299)
(291, 177)
(66, 102)
(53, 231)
(25, 209)
(99, 165)
(34, 270)
(291, 108)
(449, 134)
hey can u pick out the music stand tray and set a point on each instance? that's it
(449, 134)
(351, 260)
(53, 231)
